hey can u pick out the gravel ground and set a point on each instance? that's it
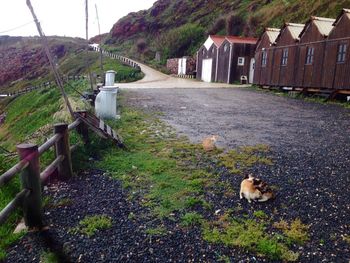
(310, 144)
(310, 149)
(92, 193)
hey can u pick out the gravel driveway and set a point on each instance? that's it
(310, 144)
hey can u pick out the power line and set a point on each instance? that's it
(17, 27)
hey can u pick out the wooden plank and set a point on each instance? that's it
(102, 125)
(16, 202)
(109, 130)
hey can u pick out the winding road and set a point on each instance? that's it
(155, 79)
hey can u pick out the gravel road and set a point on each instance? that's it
(310, 144)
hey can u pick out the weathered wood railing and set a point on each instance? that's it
(47, 84)
(122, 59)
(29, 198)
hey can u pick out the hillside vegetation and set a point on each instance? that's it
(30, 118)
(177, 28)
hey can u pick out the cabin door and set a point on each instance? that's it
(251, 70)
(207, 69)
(182, 66)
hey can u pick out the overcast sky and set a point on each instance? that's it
(64, 17)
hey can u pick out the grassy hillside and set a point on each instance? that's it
(30, 118)
(177, 28)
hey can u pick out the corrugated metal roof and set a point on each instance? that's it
(272, 33)
(295, 29)
(324, 25)
(247, 40)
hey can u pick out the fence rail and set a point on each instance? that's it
(29, 198)
(47, 84)
(123, 59)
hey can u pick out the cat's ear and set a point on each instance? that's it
(250, 176)
(246, 176)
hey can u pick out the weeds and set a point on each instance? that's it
(191, 219)
(49, 257)
(158, 231)
(296, 231)
(91, 224)
(237, 161)
(248, 234)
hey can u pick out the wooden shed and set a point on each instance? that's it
(207, 57)
(285, 56)
(236, 59)
(263, 62)
(312, 47)
(336, 72)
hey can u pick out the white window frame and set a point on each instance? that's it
(240, 61)
(341, 54)
(264, 58)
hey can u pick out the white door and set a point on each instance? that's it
(182, 67)
(251, 70)
(179, 68)
(206, 69)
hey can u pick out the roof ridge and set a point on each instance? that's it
(323, 18)
(273, 29)
(294, 24)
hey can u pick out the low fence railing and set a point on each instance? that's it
(122, 59)
(47, 84)
(30, 196)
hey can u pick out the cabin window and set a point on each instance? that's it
(240, 61)
(225, 47)
(203, 52)
(310, 55)
(284, 57)
(212, 50)
(264, 58)
(341, 53)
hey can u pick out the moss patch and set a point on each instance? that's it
(91, 224)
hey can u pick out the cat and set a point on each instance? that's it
(209, 143)
(255, 189)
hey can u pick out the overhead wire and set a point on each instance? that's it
(17, 27)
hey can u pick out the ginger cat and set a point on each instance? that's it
(209, 143)
(255, 189)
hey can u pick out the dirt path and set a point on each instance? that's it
(155, 79)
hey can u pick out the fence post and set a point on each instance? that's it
(30, 179)
(83, 130)
(62, 147)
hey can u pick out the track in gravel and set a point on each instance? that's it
(311, 148)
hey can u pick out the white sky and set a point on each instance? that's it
(65, 17)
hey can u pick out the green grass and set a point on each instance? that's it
(91, 224)
(191, 219)
(239, 160)
(49, 257)
(295, 231)
(158, 231)
(248, 234)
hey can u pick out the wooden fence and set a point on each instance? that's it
(122, 59)
(47, 84)
(30, 197)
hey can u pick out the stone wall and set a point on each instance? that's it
(172, 65)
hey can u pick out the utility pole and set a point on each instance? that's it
(45, 43)
(87, 42)
(99, 33)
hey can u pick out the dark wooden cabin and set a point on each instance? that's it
(336, 72)
(285, 55)
(236, 59)
(263, 56)
(207, 57)
(312, 46)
